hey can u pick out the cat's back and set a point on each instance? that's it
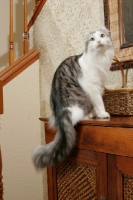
(68, 69)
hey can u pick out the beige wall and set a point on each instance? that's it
(20, 133)
(18, 29)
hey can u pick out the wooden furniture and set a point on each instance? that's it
(1, 184)
(101, 165)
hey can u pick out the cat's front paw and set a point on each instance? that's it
(103, 115)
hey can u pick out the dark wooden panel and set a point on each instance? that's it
(49, 132)
(125, 164)
(106, 139)
(119, 185)
(102, 176)
(112, 140)
(51, 183)
(84, 156)
(124, 168)
(112, 178)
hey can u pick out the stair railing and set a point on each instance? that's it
(25, 35)
(37, 2)
(18, 66)
(11, 50)
(38, 6)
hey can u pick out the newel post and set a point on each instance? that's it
(1, 184)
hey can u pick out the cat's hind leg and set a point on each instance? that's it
(52, 121)
(77, 114)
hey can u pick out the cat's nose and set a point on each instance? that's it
(98, 41)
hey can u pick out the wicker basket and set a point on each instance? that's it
(119, 101)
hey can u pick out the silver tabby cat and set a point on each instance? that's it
(76, 94)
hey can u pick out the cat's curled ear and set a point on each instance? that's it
(105, 30)
(87, 36)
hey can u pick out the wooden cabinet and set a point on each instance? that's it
(101, 164)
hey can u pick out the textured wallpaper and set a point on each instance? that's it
(58, 33)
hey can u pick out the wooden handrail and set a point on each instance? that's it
(18, 66)
(11, 51)
(37, 2)
(25, 42)
(36, 13)
(1, 184)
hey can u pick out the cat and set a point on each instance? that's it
(76, 94)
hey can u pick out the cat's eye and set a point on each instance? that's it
(102, 35)
(92, 39)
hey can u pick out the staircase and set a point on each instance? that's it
(15, 68)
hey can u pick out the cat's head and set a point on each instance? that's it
(99, 40)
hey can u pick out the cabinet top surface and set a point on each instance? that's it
(113, 121)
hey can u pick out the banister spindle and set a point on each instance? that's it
(11, 51)
(37, 3)
(25, 42)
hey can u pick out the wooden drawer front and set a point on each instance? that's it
(113, 140)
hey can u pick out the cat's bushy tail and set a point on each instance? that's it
(56, 151)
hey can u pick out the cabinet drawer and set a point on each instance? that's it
(113, 140)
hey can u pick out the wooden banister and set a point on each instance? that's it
(11, 51)
(1, 184)
(37, 2)
(23, 62)
(18, 66)
(36, 13)
(25, 42)
(39, 5)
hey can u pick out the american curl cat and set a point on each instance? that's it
(76, 94)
